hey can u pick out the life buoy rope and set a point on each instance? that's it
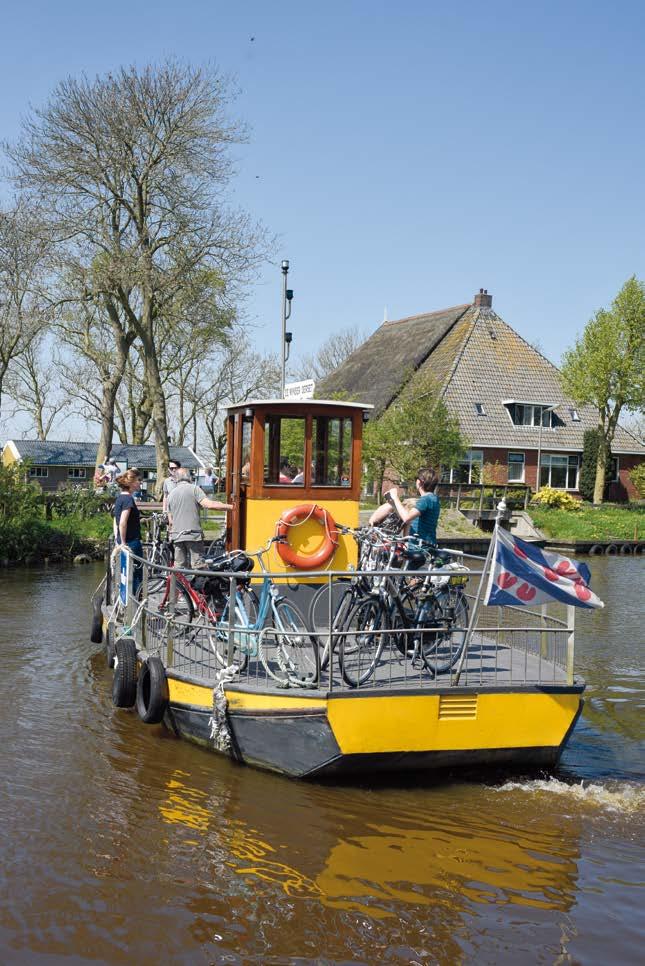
(293, 517)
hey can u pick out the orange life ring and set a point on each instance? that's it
(298, 514)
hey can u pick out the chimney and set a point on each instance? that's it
(483, 300)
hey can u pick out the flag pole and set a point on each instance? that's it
(501, 507)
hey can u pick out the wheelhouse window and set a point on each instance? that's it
(245, 451)
(38, 472)
(527, 414)
(516, 467)
(332, 451)
(469, 470)
(559, 471)
(284, 451)
(76, 473)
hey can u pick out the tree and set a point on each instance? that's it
(22, 265)
(330, 355)
(130, 168)
(606, 368)
(416, 430)
(591, 441)
(34, 386)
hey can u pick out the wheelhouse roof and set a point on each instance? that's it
(299, 403)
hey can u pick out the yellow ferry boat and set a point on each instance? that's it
(508, 698)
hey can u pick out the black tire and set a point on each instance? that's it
(402, 615)
(318, 618)
(152, 691)
(446, 618)
(96, 629)
(124, 682)
(360, 651)
(296, 660)
(110, 650)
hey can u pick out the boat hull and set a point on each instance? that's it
(316, 736)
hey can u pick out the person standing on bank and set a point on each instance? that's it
(170, 482)
(127, 520)
(184, 502)
(423, 517)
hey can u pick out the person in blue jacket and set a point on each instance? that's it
(423, 517)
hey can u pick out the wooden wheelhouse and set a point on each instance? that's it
(282, 454)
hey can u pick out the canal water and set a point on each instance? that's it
(122, 844)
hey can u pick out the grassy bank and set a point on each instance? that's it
(35, 539)
(608, 522)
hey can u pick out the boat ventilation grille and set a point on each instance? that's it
(457, 707)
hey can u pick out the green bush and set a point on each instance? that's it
(637, 476)
(556, 499)
(18, 497)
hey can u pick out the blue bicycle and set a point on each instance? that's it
(269, 627)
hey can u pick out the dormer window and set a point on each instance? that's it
(479, 409)
(532, 414)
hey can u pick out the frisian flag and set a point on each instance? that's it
(521, 573)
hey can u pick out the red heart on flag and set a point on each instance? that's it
(506, 580)
(550, 575)
(565, 569)
(519, 553)
(582, 592)
(526, 592)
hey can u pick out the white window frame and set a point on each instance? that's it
(38, 472)
(76, 473)
(545, 410)
(515, 463)
(546, 460)
(448, 476)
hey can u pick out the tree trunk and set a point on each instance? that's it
(110, 388)
(601, 470)
(158, 400)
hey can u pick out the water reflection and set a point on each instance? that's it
(121, 842)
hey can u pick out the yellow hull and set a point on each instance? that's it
(315, 735)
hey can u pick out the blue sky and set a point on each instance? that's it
(404, 155)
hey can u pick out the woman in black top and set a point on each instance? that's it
(127, 520)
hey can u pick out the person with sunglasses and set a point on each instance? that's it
(170, 482)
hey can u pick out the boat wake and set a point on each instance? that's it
(624, 797)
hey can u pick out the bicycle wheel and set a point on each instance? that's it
(446, 618)
(401, 616)
(296, 659)
(362, 640)
(318, 617)
(244, 632)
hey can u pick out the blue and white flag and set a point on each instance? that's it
(521, 573)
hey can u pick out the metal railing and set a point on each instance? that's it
(478, 647)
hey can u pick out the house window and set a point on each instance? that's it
(527, 414)
(479, 409)
(469, 470)
(559, 471)
(613, 471)
(76, 473)
(38, 472)
(516, 467)
(575, 415)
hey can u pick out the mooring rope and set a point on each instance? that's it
(220, 730)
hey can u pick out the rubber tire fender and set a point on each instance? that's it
(152, 691)
(96, 629)
(110, 650)
(326, 550)
(124, 682)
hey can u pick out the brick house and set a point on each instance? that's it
(505, 393)
(55, 465)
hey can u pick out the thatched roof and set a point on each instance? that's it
(376, 372)
(476, 358)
